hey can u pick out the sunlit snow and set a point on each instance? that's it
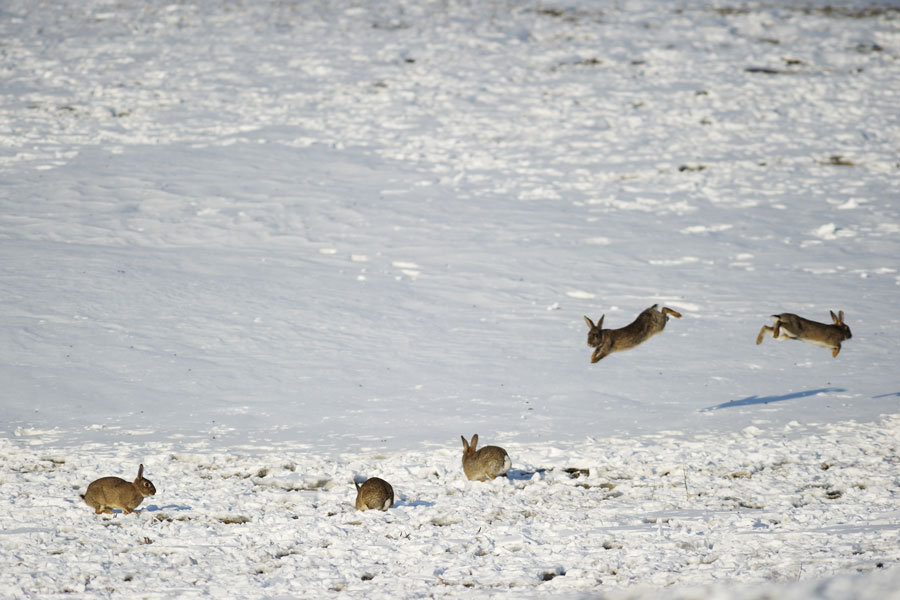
(268, 249)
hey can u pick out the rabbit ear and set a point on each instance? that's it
(474, 442)
(600, 322)
(834, 317)
(140, 471)
(465, 444)
(841, 316)
(356, 483)
(589, 322)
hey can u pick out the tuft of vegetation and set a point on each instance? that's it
(575, 472)
(837, 160)
(548, 575)
(233, 520)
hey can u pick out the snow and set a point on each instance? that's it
(267, 248)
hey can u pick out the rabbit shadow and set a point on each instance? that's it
(413, 503)
(155, 508)
(752, 400)
(522, 475)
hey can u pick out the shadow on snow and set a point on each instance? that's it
(751, 400)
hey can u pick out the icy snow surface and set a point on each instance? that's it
(267, 248)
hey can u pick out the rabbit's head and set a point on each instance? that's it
(144, 486)
(600, 339)
(839, 323)
(596, 333)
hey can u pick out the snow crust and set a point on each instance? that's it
(806, 511)
(267, 248)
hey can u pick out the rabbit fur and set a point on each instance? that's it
(107, 493)
(647, 324)
(374, 493)
(486, 463)
(788, 326)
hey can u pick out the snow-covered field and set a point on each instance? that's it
(266, 248)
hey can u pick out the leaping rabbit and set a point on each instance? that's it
(788, 326)
(646, 325)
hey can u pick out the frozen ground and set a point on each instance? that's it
(268, 247)
(623, 517)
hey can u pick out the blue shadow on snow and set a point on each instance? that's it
(520, 475)
(751, 400)
(413, 504)
(154, 508)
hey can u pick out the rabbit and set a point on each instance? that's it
(647, 324)
(789, 326)
(487, 463)
(107, 493)
(374, 493)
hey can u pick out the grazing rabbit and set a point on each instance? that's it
(107, 493)
(487, 463)
(374, 493)
(788, 326)
(647, 324)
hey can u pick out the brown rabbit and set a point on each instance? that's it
(374, 493)
(487, 463)
(107, 493)
(789, 326)
(647, 324)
